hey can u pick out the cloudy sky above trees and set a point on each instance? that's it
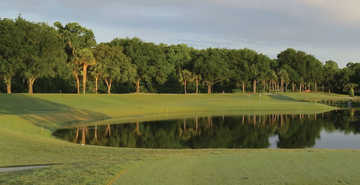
(329, 29)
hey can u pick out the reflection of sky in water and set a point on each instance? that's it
(330, 140)
(273, 140)
(338, 139)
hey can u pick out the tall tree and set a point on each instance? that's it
(259, 67)
(272, 78)
(352, 74)
(240, 67)
(249, 59)
(76, 38)
(314, 71)
(350, 88)
(329, 72)
(195, 56)
(303, 68)
(43, 51)
(185, 77)
(149, 59)
(284, 78)
(212, 67)
(180, 56)
(97, 69)
(86, 59)
(10, 50)
(113, 65)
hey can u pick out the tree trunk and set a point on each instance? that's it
(108, 84)
(293, 87)
(95, 133)
(254, 86)
(96, 83)
(243, 87)
(286, 87)
(209, 121)
(137, 130)
(76, 135)
(76, 76)
(197, 85)
(83, 136)
(300, 87)
(138, 86)
(315, 87)
(30, 85)
(108, 130)
(184, 125)
(196, 123)
(185, 86)
(264, 84)
(84, 77)
(8, 85)
(209, 88)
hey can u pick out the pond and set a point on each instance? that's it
(337, 129)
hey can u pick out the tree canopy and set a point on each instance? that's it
(57, 56)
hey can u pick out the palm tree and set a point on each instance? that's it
(284, 78)
(186, 76)
(350, 87)
(86, 58)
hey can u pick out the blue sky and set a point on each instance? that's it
(328, 29)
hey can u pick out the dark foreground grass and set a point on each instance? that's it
(27, 122)
(276, 167)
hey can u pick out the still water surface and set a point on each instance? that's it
(336, 129)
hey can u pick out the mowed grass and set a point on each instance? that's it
(27, 122)
(320, 96)
(53, 110)
(297, 167)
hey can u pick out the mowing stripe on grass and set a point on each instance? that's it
(116, 177)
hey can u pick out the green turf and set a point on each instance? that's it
(317, 97)
(249, 167)
(53, 110)
(27, 122)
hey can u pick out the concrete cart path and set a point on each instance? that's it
(20, 168)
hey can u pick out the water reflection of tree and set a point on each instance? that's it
(248, 131)
(345, 121)
(300, 133)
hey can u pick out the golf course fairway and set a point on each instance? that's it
(27, 123)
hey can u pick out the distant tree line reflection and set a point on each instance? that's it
(245, 131)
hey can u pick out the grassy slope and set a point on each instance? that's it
(53, 110)
(27, 121)
(316, 97)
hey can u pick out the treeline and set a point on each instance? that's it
(36, 57)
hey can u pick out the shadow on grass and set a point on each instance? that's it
(45, 113)
(285, 98)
